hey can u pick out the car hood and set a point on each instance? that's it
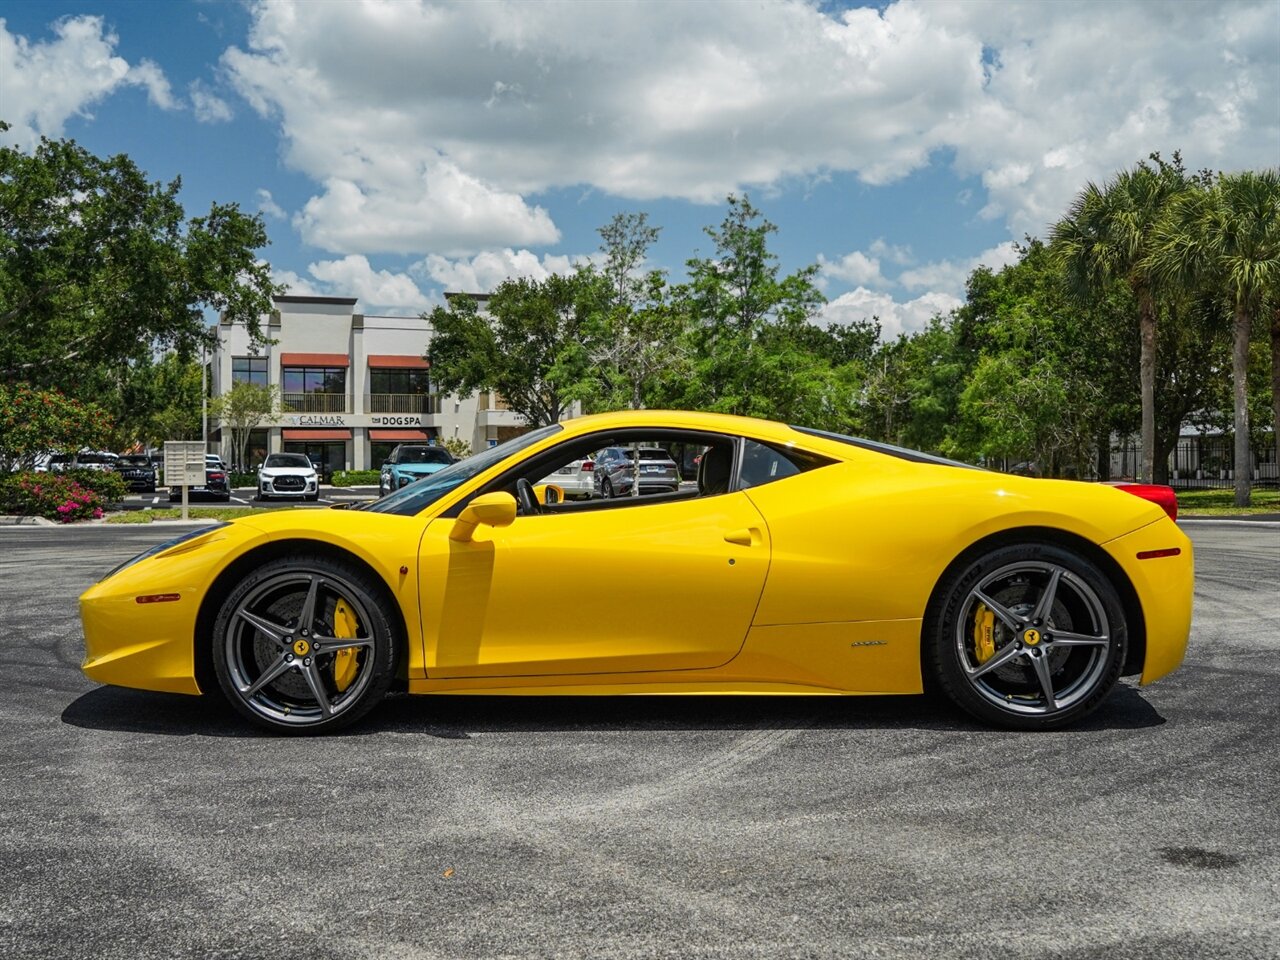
(287, 472)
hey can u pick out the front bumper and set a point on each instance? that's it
(1165, 586)
(151, 645)
(268, 487)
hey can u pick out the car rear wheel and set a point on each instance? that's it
(302, 645)
(606, 489)
(1029, 636)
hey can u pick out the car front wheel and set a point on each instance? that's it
(1029, 636)
(303, 645)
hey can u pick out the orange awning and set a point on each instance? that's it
(314, 360)
(397, 362)
(306, 435)
(386, 436)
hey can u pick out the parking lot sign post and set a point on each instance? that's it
(184, 465)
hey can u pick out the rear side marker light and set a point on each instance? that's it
(160, 598)
(1154, 554)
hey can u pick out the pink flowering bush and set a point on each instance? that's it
(49, 495)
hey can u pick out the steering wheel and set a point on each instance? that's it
(527, 499)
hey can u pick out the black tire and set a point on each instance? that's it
(1046, 652)
(606, 489)
(268, 668)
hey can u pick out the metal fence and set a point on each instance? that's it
(1201, 462)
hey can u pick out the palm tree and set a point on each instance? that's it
(1106, 237)
(1228, 236)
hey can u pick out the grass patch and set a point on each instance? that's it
(1221, 503)
(195, 513)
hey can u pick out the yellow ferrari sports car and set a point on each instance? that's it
(780, 560)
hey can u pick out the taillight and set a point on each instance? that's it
(217, 476)
(1157, 493)
(588, 465)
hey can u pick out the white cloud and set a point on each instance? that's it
(380, 290)
(268, 206)
(485, 271)
(950, 276)
(891, 252)
(430, 205)
(854, 267)
(44, 84)
(353, 276)
(297, 286)
(208, 106)
(895, 316)
(429, 124)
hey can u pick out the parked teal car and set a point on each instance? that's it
(409, 462)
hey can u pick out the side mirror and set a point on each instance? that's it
(492, 509)
(549, 493)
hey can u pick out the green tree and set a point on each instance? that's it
(1227, 237)
(244, 408)
(34, 422)
(749, 336)
(1108, 236)
(637, 340)
(100, 268)
(533, 345)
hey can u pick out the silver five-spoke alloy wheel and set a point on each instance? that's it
(1031, 636)
(302, 646)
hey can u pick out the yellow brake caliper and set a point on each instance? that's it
(344, 661)
(984, 644)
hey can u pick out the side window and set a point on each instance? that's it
(763, 464)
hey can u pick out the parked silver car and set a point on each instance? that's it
(615, 471)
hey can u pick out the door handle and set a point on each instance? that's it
(746, 537)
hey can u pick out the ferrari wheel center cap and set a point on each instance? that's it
(301, 647)
(1031, 638)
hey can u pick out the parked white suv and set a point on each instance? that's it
(288, 475)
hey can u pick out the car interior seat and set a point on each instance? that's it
(714, 471)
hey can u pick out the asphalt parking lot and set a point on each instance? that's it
(144, 825)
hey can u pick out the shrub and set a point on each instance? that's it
(238, 479)
(106, 484)
(458, 447)
(355, 478)
(54, 496)
(35, 421)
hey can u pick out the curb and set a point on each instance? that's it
(11, 521)
(1230, 522)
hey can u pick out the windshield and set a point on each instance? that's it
(132, 461)
(420, 494)
(424, 455)
(277, 460)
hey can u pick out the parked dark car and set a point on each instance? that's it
(217, 485)
(323, 470)
(615, 471)
(137, 471)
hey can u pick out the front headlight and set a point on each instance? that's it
(161, 547)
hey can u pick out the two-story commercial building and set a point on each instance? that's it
(353, 386)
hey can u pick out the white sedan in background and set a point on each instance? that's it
(288, 475)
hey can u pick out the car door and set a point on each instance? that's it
(638, 586)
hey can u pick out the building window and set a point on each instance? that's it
(315, 389)
(400, 391)
(249, 370)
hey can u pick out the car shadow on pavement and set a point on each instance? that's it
(458, 718)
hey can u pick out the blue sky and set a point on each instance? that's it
(400, 149)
